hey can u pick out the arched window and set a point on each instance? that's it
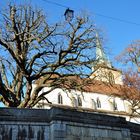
(115, 105)
(60, 99)
(93, 104)
(98, 102)
(74, 102)
(111, 78)
(79, 101)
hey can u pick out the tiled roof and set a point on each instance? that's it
(94, 86)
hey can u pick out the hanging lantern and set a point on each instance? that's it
(69, 14)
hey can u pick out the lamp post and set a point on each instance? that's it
(69, 14)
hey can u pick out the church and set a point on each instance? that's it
(102, 92)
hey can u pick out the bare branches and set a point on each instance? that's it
(33, 50)
(131, 55)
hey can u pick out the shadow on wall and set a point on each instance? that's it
(64, 124)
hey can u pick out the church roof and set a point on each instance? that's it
(94, 86)
(106, 67)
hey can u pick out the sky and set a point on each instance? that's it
(118, 19)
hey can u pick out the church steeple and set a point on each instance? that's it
(101, 57)
(102, 69)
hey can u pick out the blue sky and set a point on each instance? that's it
(117, 34)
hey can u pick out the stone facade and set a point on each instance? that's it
(63, 124)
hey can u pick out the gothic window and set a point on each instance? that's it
(60, 99)
(74, 102)
(98, 102)
(93, 103)
(111, 78)
(115, 105)
(79, 101)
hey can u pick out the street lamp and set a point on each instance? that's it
(69, 14)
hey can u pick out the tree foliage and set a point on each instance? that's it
(33, 49)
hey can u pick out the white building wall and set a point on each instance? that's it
(102, 74)
(87, 102)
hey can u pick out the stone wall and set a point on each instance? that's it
(63, 124)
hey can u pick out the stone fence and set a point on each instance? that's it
(63, 124)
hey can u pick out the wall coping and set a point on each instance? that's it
(61, 114)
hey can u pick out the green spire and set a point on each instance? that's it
(100, 54)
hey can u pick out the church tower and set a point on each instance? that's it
(102, 69)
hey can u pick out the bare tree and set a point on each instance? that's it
(131, 88)
(131, 55)
(31, 49)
